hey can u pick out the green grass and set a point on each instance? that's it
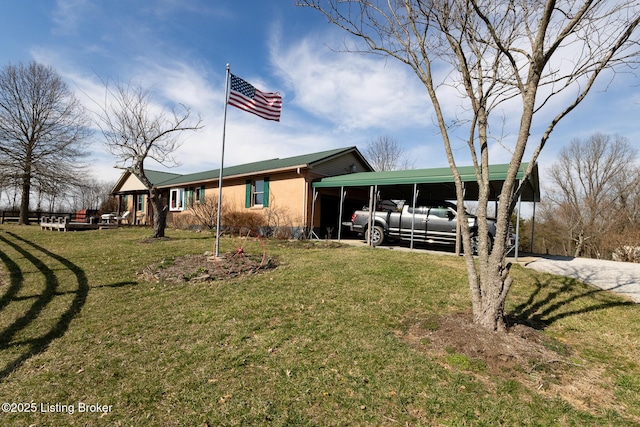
(317, 341)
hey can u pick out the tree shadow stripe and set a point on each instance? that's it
(51, 283)
(39, 344)
(540, 311)
(15, 280)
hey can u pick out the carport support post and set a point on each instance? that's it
(369, 225)
(458, 225)
(413, 216)
(533, 225)
(342, 194)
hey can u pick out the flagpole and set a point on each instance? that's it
(224, 129)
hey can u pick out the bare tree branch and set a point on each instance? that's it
(135, 130)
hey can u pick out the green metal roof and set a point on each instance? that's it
(497, 173)
(255, 167)
(157, 177)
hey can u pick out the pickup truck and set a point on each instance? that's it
(434, 223)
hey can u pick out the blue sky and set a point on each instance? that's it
(331, 99)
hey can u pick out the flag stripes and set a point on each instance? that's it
(243, 95)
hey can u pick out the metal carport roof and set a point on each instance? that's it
(440, 180)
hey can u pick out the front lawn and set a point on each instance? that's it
(333, 335)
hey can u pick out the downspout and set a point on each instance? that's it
(305, 197)
(313, 215)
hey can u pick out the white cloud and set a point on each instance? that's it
(352, 91)
(178, 82)
(68, 14)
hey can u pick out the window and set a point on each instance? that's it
(257, 193)
(439, 211)
(198, 195)
(176, 199)
(419, 210)
(193, 196)
(140, 207)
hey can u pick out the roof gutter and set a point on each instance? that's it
(264, 172)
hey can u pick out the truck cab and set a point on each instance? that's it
(434, 222)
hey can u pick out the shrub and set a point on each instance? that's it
(184, 221)
(205, 213)
(280, 223)
(235, 220)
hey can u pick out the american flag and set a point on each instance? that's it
(267, 105)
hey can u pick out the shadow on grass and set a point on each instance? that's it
(116, 285)
(561, 297)
(34, 253)
(15, 279)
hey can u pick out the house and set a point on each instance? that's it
(277, 188)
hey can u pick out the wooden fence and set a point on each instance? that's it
(79, 216)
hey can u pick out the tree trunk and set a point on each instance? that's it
(24, 202)
(579, 244)
(494, 288)
(159, 213)
(489, 273)
(161, 223)
(489, 283)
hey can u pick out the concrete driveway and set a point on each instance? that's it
(618, 277)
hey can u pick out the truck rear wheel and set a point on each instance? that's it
(377, 237)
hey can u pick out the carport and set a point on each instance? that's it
(421, 184)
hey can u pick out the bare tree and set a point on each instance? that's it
(49, 194)
(135, 131)
(10, 187)
(590, 190)
(516, 56)
(91, 193)
(627, 184)
(43, 128)
(385, 154)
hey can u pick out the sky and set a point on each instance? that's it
(179, 49)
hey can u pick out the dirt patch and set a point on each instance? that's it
(205, 267)
(522, 353)
(521, 346)
(248, 256)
